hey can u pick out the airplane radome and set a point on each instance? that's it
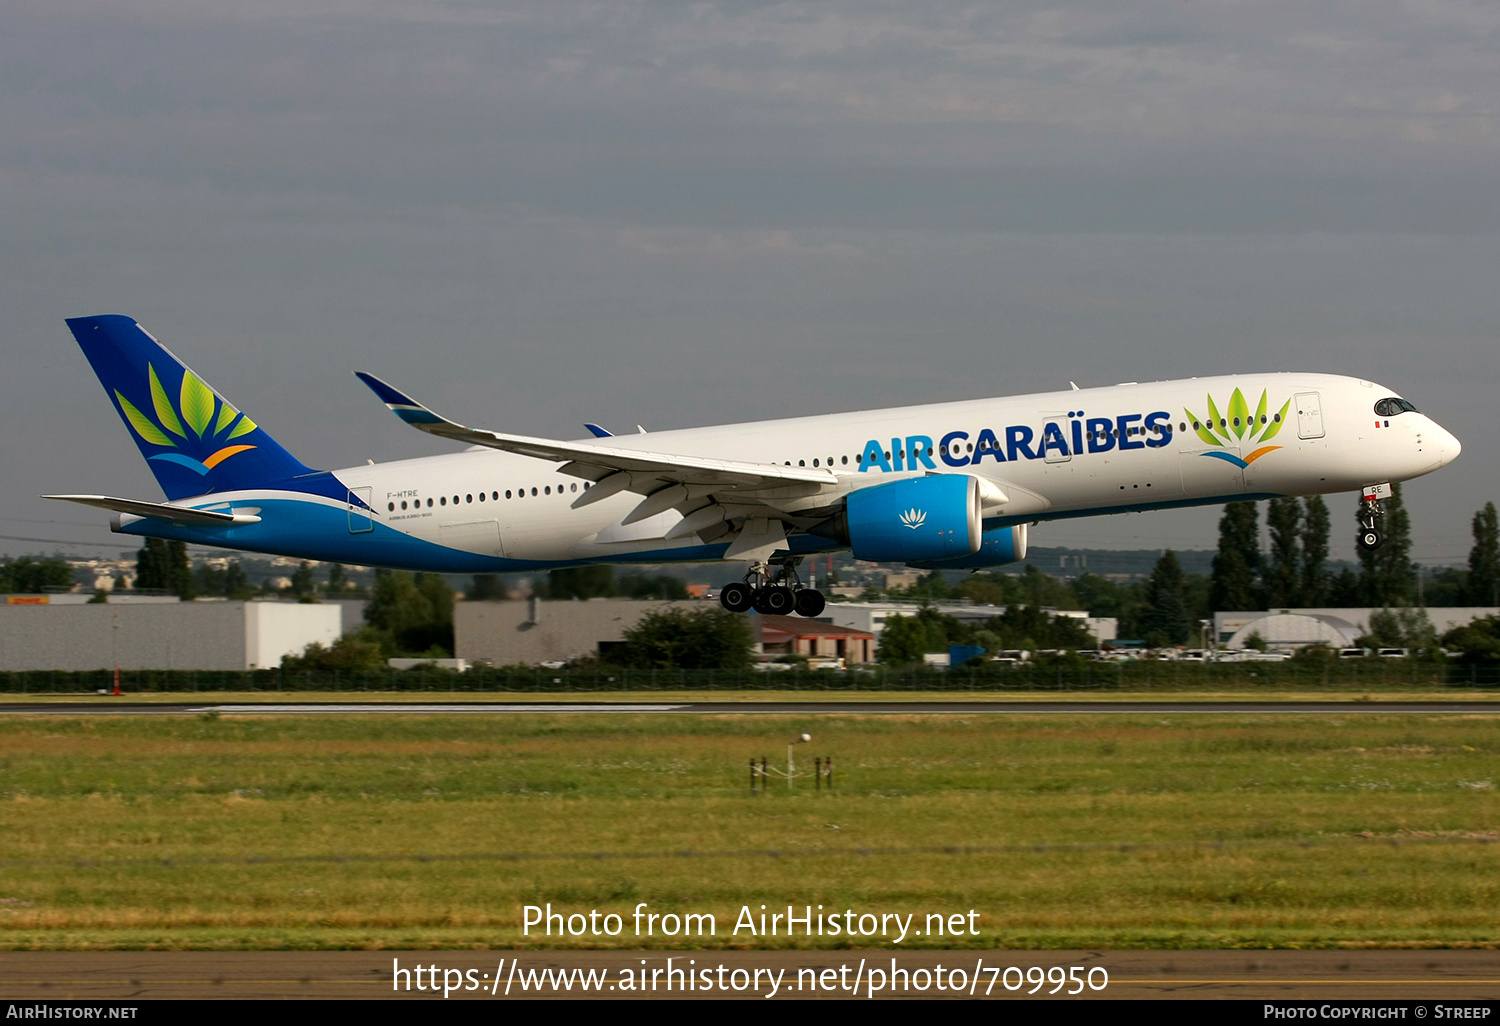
(949, 485)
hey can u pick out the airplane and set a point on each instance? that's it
(953, 485)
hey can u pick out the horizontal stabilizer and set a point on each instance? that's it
(161, 510)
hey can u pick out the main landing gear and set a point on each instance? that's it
(1370, 509)
(773, 587)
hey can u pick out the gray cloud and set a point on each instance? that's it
(678, 213)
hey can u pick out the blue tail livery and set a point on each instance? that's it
(194, 440)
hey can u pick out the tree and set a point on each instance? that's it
(1030, 627)
(1315, 527)
(415, 612)
(930, 587)
(1237, 563)
(906, 639)
(1345, 590)
(985, 589)
(303, 584)
(163, 564)
(236, 582)
(1387, 575)
(674, 638)
(580, 582)
(357, 652)
(1403, 627)
(338, 579)
(1479, 640)
(27, 575)
(1484, 559)
(1163, 618)
(1283, 572)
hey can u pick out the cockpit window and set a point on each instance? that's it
(1391, 407)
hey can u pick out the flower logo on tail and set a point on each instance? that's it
(1236, 424)
(194, 412)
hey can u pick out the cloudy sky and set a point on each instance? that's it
(531, 215)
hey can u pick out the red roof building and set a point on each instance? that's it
(794, 635)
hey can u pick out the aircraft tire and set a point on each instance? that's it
(736, 597)
(775, 601)
(810, 602)
(1369, 539)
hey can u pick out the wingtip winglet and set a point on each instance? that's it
(401, 404)
(388, 394)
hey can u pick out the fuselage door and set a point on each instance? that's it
(1309, 415)
(359, 515)
(1055, 440)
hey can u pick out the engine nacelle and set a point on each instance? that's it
(1000, 545)
(937, 517)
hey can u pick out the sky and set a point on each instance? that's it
(533, 215)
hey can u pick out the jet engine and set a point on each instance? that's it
(937, 517)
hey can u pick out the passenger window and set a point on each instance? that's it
(403, 503)
(444, 500)
(390, 507)
(507, 493)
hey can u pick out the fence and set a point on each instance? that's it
(1341, 676)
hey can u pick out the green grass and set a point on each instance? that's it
(1348, 694)
(1123, 831)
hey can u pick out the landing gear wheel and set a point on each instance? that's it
(1369, 539)
(736, 597)
(809, 602)
(775, 601)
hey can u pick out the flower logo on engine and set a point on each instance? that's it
(914, 518)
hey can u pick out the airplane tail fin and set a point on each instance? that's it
(193, 439)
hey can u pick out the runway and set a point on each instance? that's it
(1449, 977)
(354, 707)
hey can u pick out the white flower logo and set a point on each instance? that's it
(914, 518)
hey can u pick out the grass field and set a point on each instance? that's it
(401, 832)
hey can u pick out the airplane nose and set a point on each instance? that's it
(1448, 446)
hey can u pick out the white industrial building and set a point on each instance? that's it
(1337, 628)
(65, 632)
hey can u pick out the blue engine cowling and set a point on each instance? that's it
(1000, 545)
(937, 517)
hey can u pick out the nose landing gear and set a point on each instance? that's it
(773, 587)
(1370, 509)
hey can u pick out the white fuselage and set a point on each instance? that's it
(1051, 455)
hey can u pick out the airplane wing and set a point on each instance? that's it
(615, 469)
(163, 510)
